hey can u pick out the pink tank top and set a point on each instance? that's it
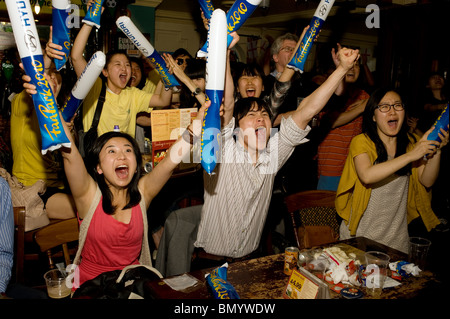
(110, 244)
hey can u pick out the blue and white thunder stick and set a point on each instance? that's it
(30, 51)
(239, 12)
(61, 31)
(132, 32)
(441, 122)
(321, 14)
(93, 14)
(211, 141)
(83, 85)
(207, 8)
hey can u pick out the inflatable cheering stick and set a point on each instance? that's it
(321, 14)
(30, 51)
(93, 14)
(441, 122)
(239, 12)
(132, 32)
(83, 85)
(61, 31)
(211, 142)
(207, 8)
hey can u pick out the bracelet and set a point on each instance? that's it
(188, 135)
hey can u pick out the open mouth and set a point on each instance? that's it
(393, 123)
(260, 132)
(122, 171)
(250, 92)
(123, 77)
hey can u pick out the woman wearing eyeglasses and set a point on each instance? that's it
(386, 178)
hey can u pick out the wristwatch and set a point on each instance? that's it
(196, 92)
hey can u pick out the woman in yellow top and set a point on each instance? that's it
(385, 181)
(122, 103)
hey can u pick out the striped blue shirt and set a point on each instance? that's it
(6, 234)
(237, 195)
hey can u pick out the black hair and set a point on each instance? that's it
(250, 69)
(112, 53)
(245, 105)
(139, 62)
(181, 51)
(369, 127)
(196, 68)
(92, 160)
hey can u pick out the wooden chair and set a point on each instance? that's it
(58, 234)
(29, 245)
(21, 241)
(314, 218)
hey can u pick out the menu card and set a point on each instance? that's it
(167, 126)
(304, 285)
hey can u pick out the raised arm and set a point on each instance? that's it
(153, 182)
(179, 73)
(82, 185)
(163, 98)
(314, 102)
(76, 54)
(288, 73)
(228, 93)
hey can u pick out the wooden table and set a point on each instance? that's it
(263, 278)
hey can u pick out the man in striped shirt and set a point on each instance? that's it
(237, 194)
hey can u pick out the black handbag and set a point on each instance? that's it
(87, 139)
(128, 283)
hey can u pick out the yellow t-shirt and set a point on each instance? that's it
(29, 164)
(118, 109)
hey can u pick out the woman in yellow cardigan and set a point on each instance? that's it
(387, 175)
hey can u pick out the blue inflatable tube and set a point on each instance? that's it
(61, 31)
(30, 51)
(300, 56)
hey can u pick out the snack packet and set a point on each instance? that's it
(220, 287)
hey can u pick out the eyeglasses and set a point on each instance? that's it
(287, 49)
(384, 108)
(180, 61)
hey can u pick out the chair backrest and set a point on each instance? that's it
(19, 242)
(56, 234)
(311, 209)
